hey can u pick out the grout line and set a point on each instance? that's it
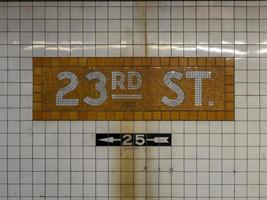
(246, 106)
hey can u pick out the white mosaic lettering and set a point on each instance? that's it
(116, 82)
(138, 77)
(99, 87)
(180, 94)
(73, 84)
(198, 76)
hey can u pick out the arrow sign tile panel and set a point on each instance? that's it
(140, 139)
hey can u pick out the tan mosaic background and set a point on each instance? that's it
(219, 89)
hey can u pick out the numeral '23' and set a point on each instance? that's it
(100, 86)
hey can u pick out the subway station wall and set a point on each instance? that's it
(60, 160)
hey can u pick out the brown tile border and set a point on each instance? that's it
(224, 115)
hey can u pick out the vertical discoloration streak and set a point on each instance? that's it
(127, 172)
(127, 165)
(145, 30)
(140, 15)
(128, 178)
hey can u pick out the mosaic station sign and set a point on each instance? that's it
(107, 88)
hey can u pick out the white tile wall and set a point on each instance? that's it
(59, 160)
